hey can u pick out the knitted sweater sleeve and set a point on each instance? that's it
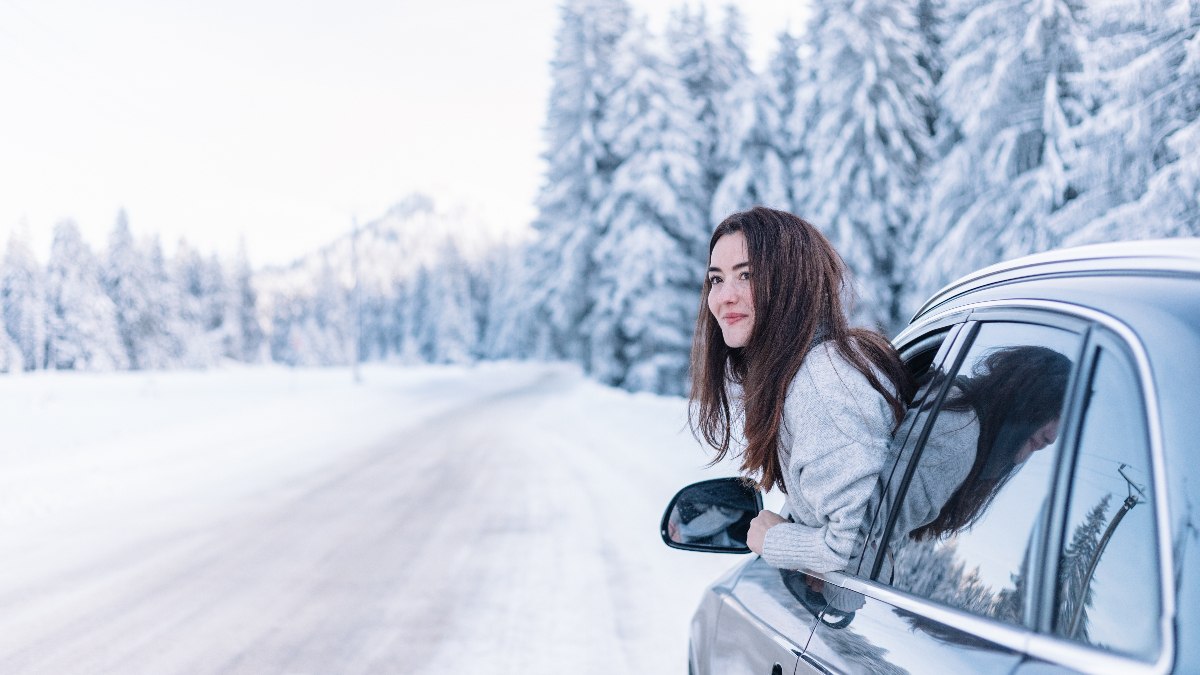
(839, 428)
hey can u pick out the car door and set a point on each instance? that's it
(761, 626)
(944, 582)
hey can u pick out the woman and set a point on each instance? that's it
(817, 400)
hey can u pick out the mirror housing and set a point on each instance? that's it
(711, 516)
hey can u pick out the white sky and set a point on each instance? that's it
(277, 121)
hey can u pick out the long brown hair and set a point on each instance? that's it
(797, 280)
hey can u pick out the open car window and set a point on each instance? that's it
(960, 533)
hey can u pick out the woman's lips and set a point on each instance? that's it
(734, 318)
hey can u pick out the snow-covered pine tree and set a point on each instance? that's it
(399, 309)
(869, 144)
(1006, 103)
(1137, 166)
(1010, 602)
(753, 136)
(214, 299)
(505, 334)
(284, 335)
(450, 312)
(579, 171)
(419, 334)
(246, 332)
(1074, 585)
(711, 66)
(81, 326)
(931, 17)
(23, 299)
(329, 324)
(166, 343)
(190, 288)
(650, 258)
(312, 328)
(793, 70)
(127, 282)
(760, 176)
(483, 282)
(11, 358)
(377, 329)
(786, 76)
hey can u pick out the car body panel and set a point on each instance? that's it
(762, 623)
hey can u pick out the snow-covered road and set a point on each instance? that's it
(499, 519)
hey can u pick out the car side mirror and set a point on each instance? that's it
(712, 515)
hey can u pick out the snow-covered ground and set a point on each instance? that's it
(494, 519)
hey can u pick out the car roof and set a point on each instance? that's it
(1155, 257)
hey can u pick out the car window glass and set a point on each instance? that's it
(1108, 566)
(983, 473)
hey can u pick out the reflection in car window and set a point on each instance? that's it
(983, 474)
(1108, 566)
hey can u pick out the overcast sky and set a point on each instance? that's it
(277, 121)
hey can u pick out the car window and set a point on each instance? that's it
(983, 472)
(1108, 590)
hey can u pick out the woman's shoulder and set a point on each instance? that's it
(830, 393)
(825, 364)
(830, 383)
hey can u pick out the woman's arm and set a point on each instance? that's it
(839, 429)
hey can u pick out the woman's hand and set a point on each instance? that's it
(764, 521)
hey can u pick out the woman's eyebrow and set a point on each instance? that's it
(740, 265)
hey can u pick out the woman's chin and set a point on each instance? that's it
(735, 341)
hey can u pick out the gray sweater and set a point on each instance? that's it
(833, 445)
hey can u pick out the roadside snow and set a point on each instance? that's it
(91, 465)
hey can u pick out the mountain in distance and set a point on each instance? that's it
(416, 232)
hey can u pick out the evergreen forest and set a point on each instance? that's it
(925, 138)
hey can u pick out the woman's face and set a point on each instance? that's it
(1045, 435)
(729, 296)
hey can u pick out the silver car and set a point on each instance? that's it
(1058, 535)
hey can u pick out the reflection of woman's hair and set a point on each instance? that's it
(1013, 391)
(797, 280)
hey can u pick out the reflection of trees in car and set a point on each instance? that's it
(1080, 558)
(935, 572)
(1075, 581)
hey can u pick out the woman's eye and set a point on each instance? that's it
(744, 276)
(714, 280)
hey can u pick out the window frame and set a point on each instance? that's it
(1102, 338)
(1039, 643)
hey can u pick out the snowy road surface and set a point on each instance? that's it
(501, 519)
